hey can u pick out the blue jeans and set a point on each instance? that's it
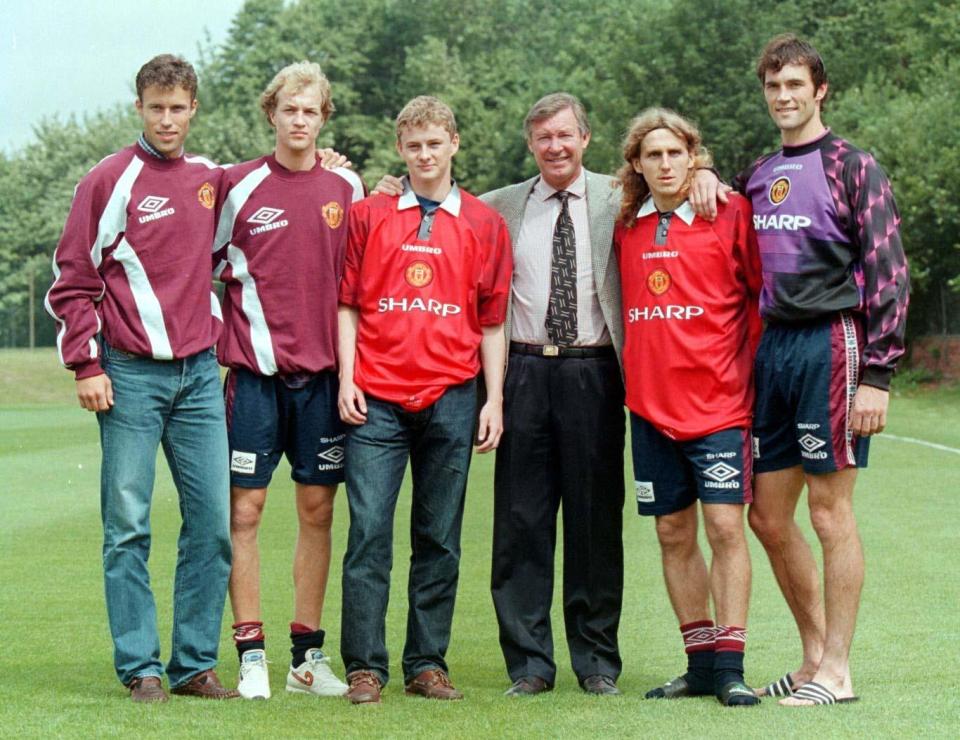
(438, 442)
(177, 404)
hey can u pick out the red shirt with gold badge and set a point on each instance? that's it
(691, 318)
(423, 301)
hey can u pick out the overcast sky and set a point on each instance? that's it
(59, 57)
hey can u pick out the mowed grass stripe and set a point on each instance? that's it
(58, 679)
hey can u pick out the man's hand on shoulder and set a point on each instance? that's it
(330, 159)
(490, 428)
(389, 185)
(705, 191)
(95, 393)
(869, 414)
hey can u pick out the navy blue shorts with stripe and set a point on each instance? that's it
(269, 416)
(670, 475)
(806, 376)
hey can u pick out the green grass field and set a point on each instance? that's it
(56, 672)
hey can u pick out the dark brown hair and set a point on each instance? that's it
(787, 48)
(167, 71)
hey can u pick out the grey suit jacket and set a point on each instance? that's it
(603, 205)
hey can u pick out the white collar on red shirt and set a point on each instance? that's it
(684, 211)
(451, 204)
(577, 188)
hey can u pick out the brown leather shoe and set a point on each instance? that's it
(433, 684)
(147, 689)
(206, 685)
(364, 687)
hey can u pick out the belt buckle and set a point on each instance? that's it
(551, 350)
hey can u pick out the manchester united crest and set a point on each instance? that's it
(332, 214)
(779, 190)
(206, 195)
(418, 274)
(658, 281)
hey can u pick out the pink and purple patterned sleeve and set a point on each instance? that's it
(882, 273)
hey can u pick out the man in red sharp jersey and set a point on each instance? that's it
(280, 241)
(691, 326)
(423, 301)
(137, 322)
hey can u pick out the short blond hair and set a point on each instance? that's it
(296, 77)
(426, 110)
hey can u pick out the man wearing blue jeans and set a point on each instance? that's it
(136, 323)
(422, 304)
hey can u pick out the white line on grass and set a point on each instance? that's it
(914, 440)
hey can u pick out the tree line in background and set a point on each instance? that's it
(892, 69)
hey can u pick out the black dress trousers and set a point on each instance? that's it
(562, 445)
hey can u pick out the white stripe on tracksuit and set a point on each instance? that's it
(252, 307)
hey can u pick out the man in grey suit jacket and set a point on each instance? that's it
(563, 412)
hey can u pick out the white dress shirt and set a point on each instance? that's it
(532, 258)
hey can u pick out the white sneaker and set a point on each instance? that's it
(254, 680)
(314, 676)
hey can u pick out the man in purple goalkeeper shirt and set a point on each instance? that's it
(835, 291)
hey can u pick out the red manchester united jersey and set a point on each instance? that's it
(422, 302)
(691, 317)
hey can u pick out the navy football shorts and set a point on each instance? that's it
(670, 475)
(269, 416)
(806, 376)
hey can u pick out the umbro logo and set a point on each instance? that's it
(331, 458)
(721, 472)
(266, 215)
(243, 462)
(334, 454)
(810, 443)
(267, 218)
(153, 206)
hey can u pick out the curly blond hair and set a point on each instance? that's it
(635, 188)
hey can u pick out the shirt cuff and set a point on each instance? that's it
(88, 369)
(878, 377)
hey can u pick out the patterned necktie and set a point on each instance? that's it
(561, 320)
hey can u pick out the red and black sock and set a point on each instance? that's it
(248, 636)
(303, 638)
(728, 663)
(698, 643)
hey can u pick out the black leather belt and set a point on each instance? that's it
(552, 350)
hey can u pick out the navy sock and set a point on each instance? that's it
(700, 670)
(302, 639)
(727, 668)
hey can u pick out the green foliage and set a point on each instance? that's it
(890, 66)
